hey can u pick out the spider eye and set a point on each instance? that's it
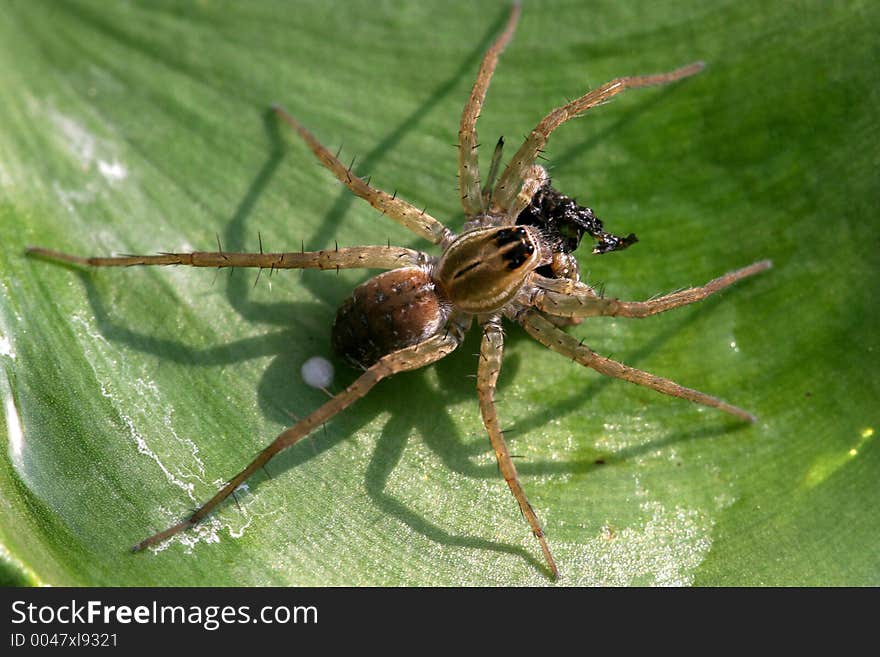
(505, 236)
(515, 246)
(517, 256)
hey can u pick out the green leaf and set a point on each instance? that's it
(128, 395)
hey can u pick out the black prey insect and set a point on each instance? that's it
(513, 259)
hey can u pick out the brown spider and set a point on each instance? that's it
(510, 260)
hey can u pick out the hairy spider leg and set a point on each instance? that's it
(583, 301)
(534, 179)
(517, 169)
(367, 257)
(468, 164)
(545, 332)
(407, 215)
(491, 349)
(410, 358)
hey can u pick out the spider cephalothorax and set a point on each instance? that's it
(513, 259)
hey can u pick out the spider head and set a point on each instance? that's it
(483, 269)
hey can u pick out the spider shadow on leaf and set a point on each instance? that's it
(277, 388)
(590, 385)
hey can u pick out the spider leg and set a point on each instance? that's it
(407, 215)
(534, 178)
(368, 257)
(542, 330)
(487, 375)
(468, 165)
(509, 184)
(583, 301)
(410, 358)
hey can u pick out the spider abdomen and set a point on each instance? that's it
(393, 310)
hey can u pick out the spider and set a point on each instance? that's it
(513, 259)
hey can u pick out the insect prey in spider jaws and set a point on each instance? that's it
(513, 260)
